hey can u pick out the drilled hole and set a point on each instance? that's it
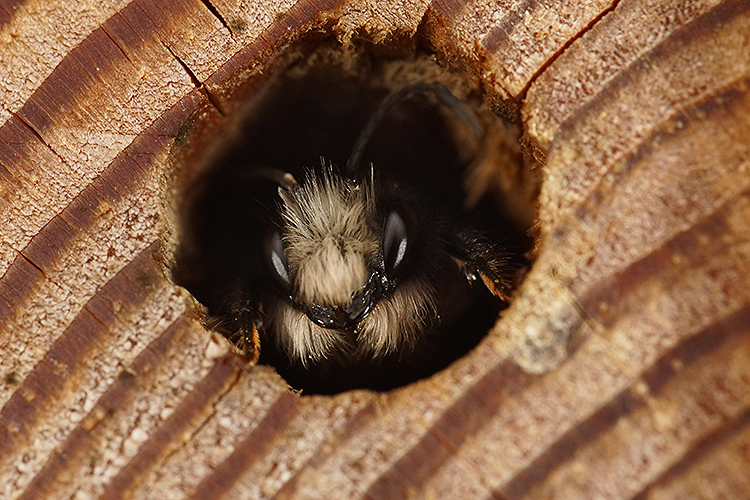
(315, 110)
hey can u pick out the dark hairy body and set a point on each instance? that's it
(367, 276)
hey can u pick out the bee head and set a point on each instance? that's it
(331, 246)
(337, 254)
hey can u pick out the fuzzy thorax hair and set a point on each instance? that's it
(332, 239)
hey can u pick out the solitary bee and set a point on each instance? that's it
(345, 278)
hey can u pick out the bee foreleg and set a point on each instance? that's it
(479, 258)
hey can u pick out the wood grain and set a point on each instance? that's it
(619, 371)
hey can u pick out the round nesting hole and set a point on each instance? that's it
(371, 276)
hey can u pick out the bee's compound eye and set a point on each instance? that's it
(399, 235)
(276, 258)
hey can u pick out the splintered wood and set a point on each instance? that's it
(621, 369)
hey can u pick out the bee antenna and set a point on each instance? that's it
(393, 100)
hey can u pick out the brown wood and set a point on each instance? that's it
(621, 369)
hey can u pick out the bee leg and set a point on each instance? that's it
(251, 338)
(479, 258)
(249, 322)
(258, 326)
(241, 322)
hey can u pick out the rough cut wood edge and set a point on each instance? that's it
(620, 370)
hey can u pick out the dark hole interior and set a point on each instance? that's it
(298, 120)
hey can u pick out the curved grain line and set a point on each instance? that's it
(510, 42)
(251, 449)
(88, 101)
(191, 408)
(616, 287)
(466, 416)
(61, 364)
(704, 27)
(688, 352)
(716, 106)
(616, 121)
(506, 44)
(716, 439)
(565, 447)
(123, 176)
(81, 440)
(31, 31)
(608, 50)
(7, 9)
(692, 350)
(701, 400)
(334, 442)
(81, 70)
(605, 201)
(500, 33)
(15, 285)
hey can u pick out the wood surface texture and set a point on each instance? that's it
(621, 369)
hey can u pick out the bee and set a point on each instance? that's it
(344, 279)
